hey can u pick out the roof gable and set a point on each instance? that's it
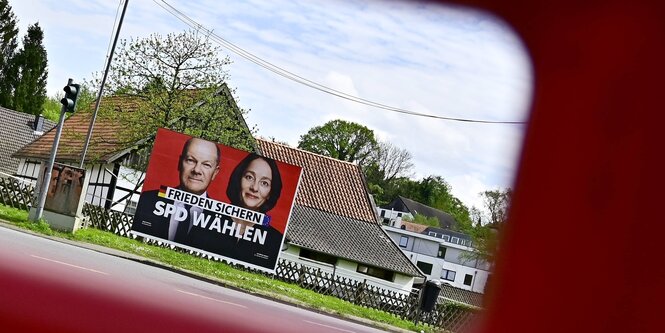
(327, 184)
(403, 204)
(16, 130)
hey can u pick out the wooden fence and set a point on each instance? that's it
(15, 193)
(451, 314)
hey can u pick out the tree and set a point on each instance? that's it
(8, 45)
(391, 161)
(497, 203)
(488, 226)
(343, 140)
(388, 165)
(176, 78)
(30, 93)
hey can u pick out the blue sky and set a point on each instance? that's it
(444, 61)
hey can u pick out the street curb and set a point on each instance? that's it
(136, 258)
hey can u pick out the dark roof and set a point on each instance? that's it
(403, 204)
(16, 130)
(333, 213)
(446, 232)
(105, 143)
(347, 238)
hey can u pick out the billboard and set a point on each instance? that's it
(221, 201)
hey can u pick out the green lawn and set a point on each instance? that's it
(221, 272)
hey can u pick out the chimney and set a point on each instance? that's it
(38, 124)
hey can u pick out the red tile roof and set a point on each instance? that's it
(104, 145)
(327, 184)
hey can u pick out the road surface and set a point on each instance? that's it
(50, 284)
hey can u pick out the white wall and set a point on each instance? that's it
(345, 268)
(425, 248)
(98, 174)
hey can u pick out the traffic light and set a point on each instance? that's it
(72, 91)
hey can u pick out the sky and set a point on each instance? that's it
(438, 60)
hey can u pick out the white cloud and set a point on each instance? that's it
(422, 57)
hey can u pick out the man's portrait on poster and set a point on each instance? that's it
(198, 165)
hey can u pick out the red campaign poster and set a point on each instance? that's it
(221, 201)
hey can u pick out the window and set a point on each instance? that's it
(467, 279)
(431, 233)
(376, 272)
(130, 208)
(399, 214)
(446, 238)
(448, 275)
(403, 241)
(442, 252)
(318, 256)
(383, 213)
(425, 267)
(454, 240)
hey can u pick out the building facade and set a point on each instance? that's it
(442, 255)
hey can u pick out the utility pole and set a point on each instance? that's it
(101, 87)
(72, 91)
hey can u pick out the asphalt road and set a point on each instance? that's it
(66, 285)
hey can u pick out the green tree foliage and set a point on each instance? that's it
(386, 167)
(30, 93)
(176, 78)
(343, 140)
(8, 46)
(432, 191)
(52, 106)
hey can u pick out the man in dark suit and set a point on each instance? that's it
(197, 168)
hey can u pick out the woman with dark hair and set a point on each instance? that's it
(255, 184)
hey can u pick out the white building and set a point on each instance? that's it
(442, 255)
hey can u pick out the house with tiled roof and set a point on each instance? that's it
(113, 184)
(393, 213)
(16, 130)
(334, 225)
(104, 157)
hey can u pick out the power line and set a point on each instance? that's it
(299, 79)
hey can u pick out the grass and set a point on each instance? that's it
(224, 273)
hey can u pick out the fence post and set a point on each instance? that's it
(360, 292)
(301, 275)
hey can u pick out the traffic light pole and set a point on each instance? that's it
(49, 167)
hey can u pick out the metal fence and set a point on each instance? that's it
(455, 310)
